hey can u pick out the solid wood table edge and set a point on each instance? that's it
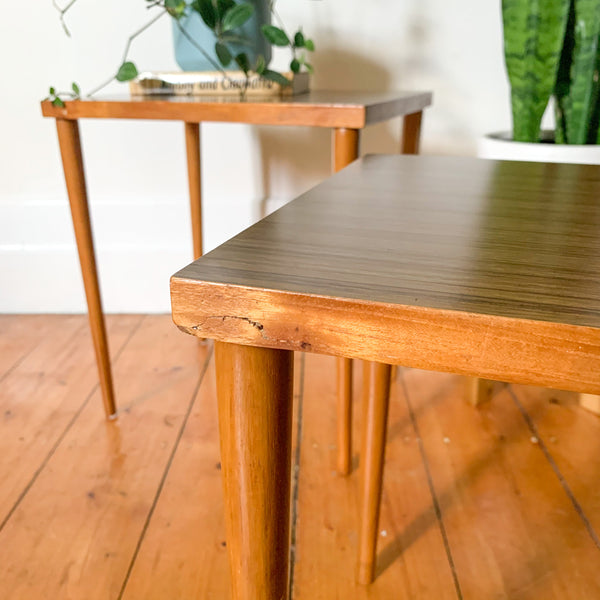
(351, 114)
(549, 354)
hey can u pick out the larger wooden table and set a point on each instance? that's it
(345, 113)
(483, 268)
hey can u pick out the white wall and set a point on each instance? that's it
(136, 170)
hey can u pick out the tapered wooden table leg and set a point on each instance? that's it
(344, 415)
(411, 133)
(345, 150)
(72, 159)
(192, 146)
(375, 412)
(479, 390)
(345, 147)
(254, 390)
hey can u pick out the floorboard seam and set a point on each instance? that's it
(295, 478)
(61, 437)
(30, 351)
(563, 482)
(16, 364)
(436, 504)
(165, 474)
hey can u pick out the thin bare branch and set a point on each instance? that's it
(140, 31)
(204, 53)
(62, 12)
(126, 52)
(101, 86)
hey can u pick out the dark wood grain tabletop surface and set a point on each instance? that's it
(498, 238)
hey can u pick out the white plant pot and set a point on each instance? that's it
(500, 146)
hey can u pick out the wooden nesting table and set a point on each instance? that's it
(345, 113)
(483, 268)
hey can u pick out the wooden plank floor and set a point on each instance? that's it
(496, 502)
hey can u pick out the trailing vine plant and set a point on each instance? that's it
(223, 18)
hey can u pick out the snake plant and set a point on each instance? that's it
(552, 49)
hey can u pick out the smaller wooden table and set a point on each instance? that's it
(345, 113)
(483, 268)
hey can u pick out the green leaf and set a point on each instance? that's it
(560, 135)
(299, 40)
(207, 11)
(275, 35)
(76, 89)
(126, 72)
(58, 102)
(222, 7)
(261, 65)
(223, 53)
(276, 77)
(235, 17)
(309, 45)
(242, 62)
(175, 8)
(234, 38)
(583, 31)
(534, 31)
(563, 82)
(594, 132)
(596, 124)
(52, 91)
(309, 68)
(295, 66)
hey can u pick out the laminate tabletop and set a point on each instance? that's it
(319, 108)
(474, 248)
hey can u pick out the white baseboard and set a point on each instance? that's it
(139, 245)
(48, 280)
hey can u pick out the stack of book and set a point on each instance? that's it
(214, 83)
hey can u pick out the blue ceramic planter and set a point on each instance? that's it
(189, 58)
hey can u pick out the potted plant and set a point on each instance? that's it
(204, 23)
(552, 54)
(213, 35)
